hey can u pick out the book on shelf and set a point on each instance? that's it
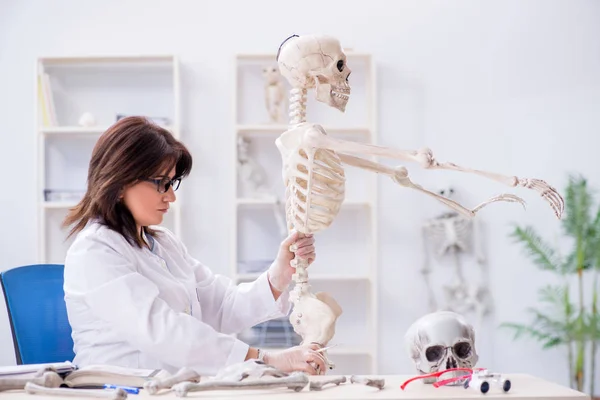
(46, 101)
(90, 376)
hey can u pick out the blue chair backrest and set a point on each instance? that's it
(35, 301)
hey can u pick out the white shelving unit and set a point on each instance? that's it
(346, 264)
(104, 86)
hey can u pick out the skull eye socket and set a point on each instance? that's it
(340, 65)
(462, 350)
(434, 353)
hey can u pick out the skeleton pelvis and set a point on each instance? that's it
(314, 317)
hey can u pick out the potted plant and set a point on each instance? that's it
(566, 320)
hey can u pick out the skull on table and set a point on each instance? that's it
(439, 341)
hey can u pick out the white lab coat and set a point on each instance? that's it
(158, 308)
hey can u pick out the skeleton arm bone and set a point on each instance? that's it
(318, 138)
(400, 176)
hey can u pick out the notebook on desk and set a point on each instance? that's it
(29, 370)
(100, 375)
(88, 376)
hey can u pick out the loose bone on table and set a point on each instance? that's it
(314, 176)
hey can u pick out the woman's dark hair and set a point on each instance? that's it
(133, 148)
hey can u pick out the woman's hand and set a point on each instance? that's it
(280, 272)
(299, 358)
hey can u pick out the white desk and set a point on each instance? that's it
(524, 387)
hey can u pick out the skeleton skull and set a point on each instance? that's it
(316, 62)
(271, 75)
(439, 341)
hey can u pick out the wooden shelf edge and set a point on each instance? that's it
(141, 58)
(82, 130)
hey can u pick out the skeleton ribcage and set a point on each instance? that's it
(315, 189)
(449, 234)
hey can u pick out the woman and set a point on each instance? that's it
(135, 297)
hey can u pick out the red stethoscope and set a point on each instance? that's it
(443, 382)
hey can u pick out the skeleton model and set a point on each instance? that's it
(274, 93)
(451, 234)
(313, 168)
(439, 341)
(253, 179)
(252, 176)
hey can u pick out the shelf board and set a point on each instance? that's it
(91, 131)
(73, 130)
(100, 59)
(59, 204)
(270, 129)
(241, 202)
(313, 277)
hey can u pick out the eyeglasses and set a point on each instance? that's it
(468, 372)
(163, 184)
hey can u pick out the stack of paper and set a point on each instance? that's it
(29, 370)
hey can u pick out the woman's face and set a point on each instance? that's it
(145, 203)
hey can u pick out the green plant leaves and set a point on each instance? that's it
(537, 249)
(560, 322)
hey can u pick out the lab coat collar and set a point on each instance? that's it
(149, 240)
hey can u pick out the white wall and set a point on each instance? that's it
(510, 86)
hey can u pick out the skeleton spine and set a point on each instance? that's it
(298, 116)
(297, 106)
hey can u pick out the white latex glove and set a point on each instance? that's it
(280, 272)
(299, 358)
